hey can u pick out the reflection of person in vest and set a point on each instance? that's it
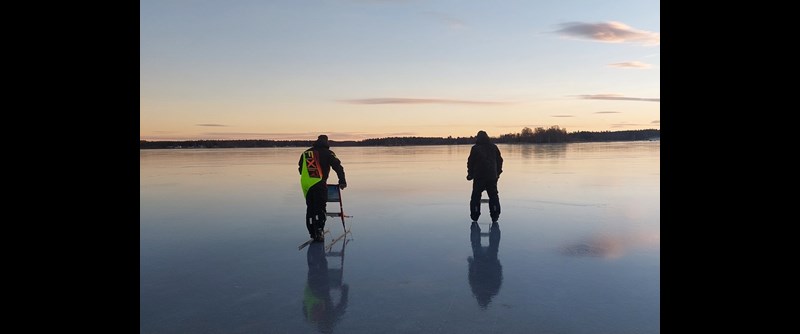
(485, 272)
(318, 306)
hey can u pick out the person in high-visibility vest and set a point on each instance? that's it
(314, 166)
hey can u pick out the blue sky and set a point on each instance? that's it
(356, 69)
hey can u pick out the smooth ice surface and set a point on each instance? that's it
(577, 251)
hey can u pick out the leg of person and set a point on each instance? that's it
(310, 227)
(319, 191)
(310, 215)
(494, 200)
(475, 200)
(324, 208)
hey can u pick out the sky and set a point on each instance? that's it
(359, 69)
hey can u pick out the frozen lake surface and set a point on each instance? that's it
(577, 249)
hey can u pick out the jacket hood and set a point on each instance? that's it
(482, 138)
(322, 141)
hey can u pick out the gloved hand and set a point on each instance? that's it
(342, 185)
(469, 177)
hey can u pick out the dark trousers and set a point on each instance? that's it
(316, 207)
(478, 187)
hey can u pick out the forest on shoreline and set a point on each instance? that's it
(553, 134)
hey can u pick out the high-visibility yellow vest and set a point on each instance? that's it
(312, 171)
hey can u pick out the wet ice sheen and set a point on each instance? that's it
(578, 249)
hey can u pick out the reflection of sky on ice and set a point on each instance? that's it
(579, 251)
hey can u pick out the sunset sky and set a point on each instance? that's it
(357, 69)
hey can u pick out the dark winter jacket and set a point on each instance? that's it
(485, 161)
(327, 160)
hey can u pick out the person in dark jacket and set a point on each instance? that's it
(484, 166)
(314, 166)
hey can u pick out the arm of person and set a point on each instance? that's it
(337, 167)
(470, 163)
(499, 163)
(300, 165)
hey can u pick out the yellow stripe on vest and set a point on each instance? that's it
(312, 171)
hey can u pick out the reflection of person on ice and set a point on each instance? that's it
(485, 274)
(314, 166)
(318, 306)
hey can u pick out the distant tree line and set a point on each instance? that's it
(558, 135)
(553, 134)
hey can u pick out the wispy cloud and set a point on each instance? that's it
(656, 122)
(449, 21)
(630, 64)
(628, 125)
(617, 97)
(210, 124)
(395, 100)
(607, 112)
(380, 1)
(609, 32)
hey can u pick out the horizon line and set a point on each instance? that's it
(357, 140)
